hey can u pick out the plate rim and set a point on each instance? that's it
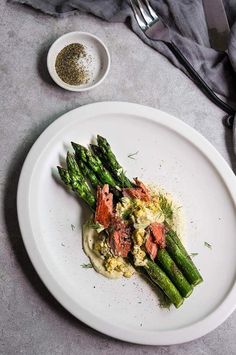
(169, 337)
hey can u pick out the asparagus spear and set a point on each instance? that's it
(120, 183)
(168, 265)
(183, 261)
(162, 280)
(94, 180)
(75, 174)
(173, 235)
(73, 178)
(65, 176)
(176, 239)
(89, 174)
(109, 158)
(94, 163)
(97, 151)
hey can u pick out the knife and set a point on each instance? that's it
(217, 23)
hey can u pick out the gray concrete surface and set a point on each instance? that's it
(31, 321)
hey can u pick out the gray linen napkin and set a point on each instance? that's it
(187, 23)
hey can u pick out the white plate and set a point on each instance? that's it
(171, 154)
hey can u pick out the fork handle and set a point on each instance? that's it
(203, 86)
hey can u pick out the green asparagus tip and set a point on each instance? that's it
(80, 150)
(102, 141)
(75, 146)
(64, 174)
(73, 168)
(95, 149)
(70, 161)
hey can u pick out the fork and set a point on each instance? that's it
(155, 29)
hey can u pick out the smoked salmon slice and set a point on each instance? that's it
(119, 237)
(104, 207)
(155, 239)
(158, 232)
(151, 247)
(140, 192)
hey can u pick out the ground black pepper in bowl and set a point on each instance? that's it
(70, 64)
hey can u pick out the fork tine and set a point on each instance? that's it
(144, 13)
(150, 9)
(140, 21)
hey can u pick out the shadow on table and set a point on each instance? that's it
(42, 62)
(11, 220)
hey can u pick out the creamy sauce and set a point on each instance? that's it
(90, 237)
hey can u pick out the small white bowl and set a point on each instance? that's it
(98, 66)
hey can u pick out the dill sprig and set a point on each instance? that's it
(165, 207)
(208, 245)
(132, 155)
(95, 225)
(87, 266)
(127, 213)
(193, 254)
